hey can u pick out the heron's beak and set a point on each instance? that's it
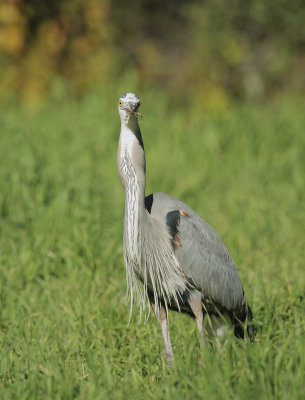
(132, 110)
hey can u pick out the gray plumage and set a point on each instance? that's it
(202, 255)
(173, 258)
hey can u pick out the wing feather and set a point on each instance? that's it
(204, 258)
(201, 254)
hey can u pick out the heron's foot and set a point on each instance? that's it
(169, 358)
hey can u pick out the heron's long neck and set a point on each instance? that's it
(131, 165)
(148, 254)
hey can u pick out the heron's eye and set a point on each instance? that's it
(120, 103)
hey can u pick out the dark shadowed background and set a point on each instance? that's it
(208, 52)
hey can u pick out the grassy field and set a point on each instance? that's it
(63, 315)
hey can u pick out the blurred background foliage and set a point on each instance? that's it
(210, 52)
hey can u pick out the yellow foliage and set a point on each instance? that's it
(51, 39)
(80, 46)
(40, 62)
(12, 29)
(95, 16)
(9, 14)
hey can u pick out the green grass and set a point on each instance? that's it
(63, 316)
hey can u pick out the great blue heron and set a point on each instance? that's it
(173, 258)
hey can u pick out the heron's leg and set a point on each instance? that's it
(196, 307)
(162, 318)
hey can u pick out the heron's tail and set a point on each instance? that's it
(245, 317)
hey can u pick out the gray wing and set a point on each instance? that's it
(202, 256)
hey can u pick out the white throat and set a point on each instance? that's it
(127, 141)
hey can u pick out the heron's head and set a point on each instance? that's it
(128, 105)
